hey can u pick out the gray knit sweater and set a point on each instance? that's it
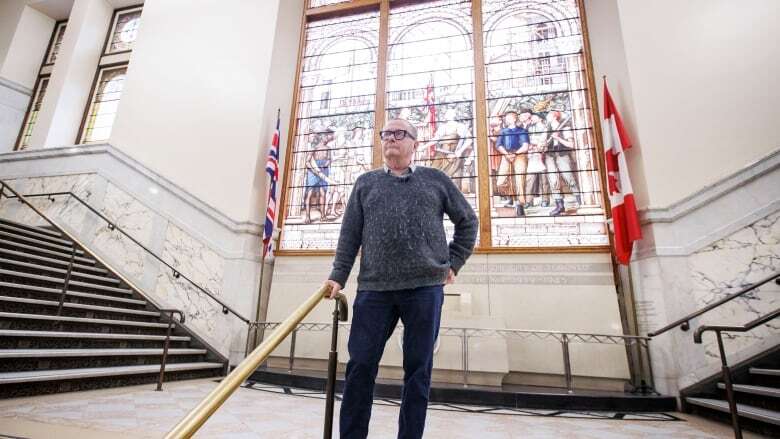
(398, 223)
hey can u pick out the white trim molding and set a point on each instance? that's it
(123, 171)
(714, 212)
(15, 86)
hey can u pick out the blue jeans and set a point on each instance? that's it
(375, 314)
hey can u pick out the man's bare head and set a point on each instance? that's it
(398, 153)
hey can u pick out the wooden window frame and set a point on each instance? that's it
(52, 41)
(38, 80)
(112, 27)
(104, 63)
(28, 113)
(485, 220)
(83, 127)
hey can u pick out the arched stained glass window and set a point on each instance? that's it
(506, 113)
(544, 181)
(430, 82)
(334, 127)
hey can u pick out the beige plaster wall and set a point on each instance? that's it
(195, 107)
(697, 82)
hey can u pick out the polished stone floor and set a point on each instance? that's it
(273, 412)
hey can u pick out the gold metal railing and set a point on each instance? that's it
(203, 411)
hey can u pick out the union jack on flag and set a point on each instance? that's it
(272, 168)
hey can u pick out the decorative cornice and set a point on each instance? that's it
(714, 212)
(15, 86)
(233, 225)
(711, 192)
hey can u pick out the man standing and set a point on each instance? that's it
(512, 144)
(535, 171)
(453, 146)
(557, 158)
(317, 170)
(395, 217)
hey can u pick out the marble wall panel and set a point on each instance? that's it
(63, 209)
(135, 219)
(728, 265)
(670, 287)
(206, 268)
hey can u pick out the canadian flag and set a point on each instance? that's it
(625, 219)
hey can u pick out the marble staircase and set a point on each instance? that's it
(756, 390)
(105, 334)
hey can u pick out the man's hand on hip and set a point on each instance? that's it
(450, 278)
(335, 287)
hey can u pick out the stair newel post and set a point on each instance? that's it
(67, 280)
(330, 385)
(165, 351)
(340, 313)
(729, 388)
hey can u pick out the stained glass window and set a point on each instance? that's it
(531, 160)
(102, 110)
(335, 127)
(544, 183)
(430, 82)
(32, 115)
(124, 30)
(59, 34)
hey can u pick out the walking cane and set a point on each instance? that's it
(340, 313)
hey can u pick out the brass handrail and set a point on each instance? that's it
(203, 411)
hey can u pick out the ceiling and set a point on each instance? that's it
(60, 9)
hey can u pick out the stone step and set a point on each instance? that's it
(761, 371)
(34, 234)
(52, 353)
(14, 315)
(758, 414)
(72, 293)
(66, 256)
(76, 266)
(80, 306)
(63, 271)
(69, 374)
(40, 243)
(755, 390)
(41, 230)
(87, 335)
(57, 280)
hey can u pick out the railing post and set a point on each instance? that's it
(165, 351)
(566, 362)
(729, 389)
(292, 350)
(330, 384)
(465, 353)
(634, 350)
(249, 336)
(650, 375)
(67, 280)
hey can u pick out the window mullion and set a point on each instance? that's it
(483, 155)
(381, 80)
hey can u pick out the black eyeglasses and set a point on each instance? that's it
(395, 134)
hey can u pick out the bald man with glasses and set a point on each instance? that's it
(395, 216)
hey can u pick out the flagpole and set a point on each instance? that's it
(261, 304)
(626, 302)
